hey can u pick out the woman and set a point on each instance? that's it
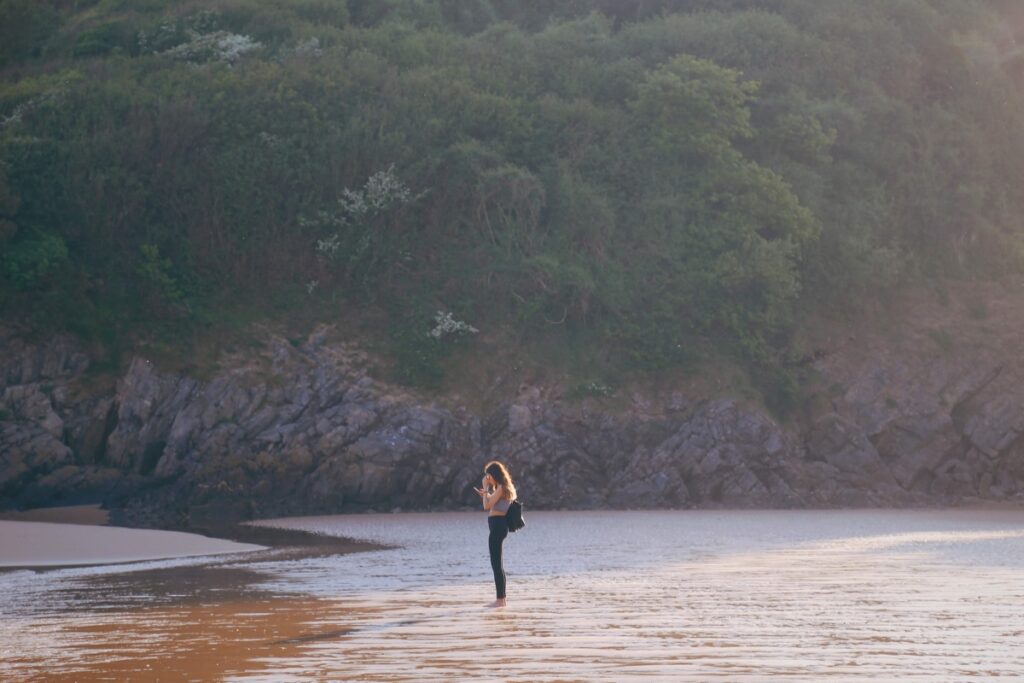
(497, 493)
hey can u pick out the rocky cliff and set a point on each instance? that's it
(929, 413)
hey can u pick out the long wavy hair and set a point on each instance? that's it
(501, 475)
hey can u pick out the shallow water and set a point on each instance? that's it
(593, 596)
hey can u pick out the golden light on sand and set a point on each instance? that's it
(740, 596)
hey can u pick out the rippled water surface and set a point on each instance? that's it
(593, 596)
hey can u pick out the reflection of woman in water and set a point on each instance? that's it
(497, 493)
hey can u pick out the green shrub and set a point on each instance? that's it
(104, 39)
(417, 356)
(780, 388)
(592, 388)
(640, 179)
(157, 274)
(28, 263)
(25, 27)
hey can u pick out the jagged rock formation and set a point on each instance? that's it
(925, 416)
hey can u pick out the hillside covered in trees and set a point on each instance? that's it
(636, 179)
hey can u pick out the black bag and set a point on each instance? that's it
(514, 516)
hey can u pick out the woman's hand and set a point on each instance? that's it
(480, 492)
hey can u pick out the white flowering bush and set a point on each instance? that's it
(352, 206)
(418, 356)
(163, 36)
(329, 247)
(446, 326)
(349, 226)
(382, 191)
(170, 33)
(596, 389)
(216, 46)
(270, 140)
(308, 48)
(50, 96)
(17, 114)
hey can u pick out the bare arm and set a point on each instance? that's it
(493, 497)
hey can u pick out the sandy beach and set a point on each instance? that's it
(77, 535)
(615, 596)
(46, 544)
(146, 603)
(190, 642)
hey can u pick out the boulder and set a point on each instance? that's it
(28, 452)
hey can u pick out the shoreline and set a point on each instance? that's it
(49, 547)
(677, 595)
(64, 537)
(34, 544)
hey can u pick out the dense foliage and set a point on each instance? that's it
(644, 173)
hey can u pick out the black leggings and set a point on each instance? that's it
(499, 530)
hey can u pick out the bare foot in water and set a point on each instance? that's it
(500, 602)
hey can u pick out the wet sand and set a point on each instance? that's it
(195, 642)
(739, 596)
(109, 604)
(54, 537)
(44, 544)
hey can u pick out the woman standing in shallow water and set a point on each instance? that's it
(497, 493)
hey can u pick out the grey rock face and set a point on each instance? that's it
(942, 401)
(24, 362)
(301, 428)
(30, 428)
(87, 424)
(147, 404)
(723, 454)
(27, 452)
(27, 403)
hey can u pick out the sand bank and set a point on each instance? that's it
(44, 544)
(67, 514)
